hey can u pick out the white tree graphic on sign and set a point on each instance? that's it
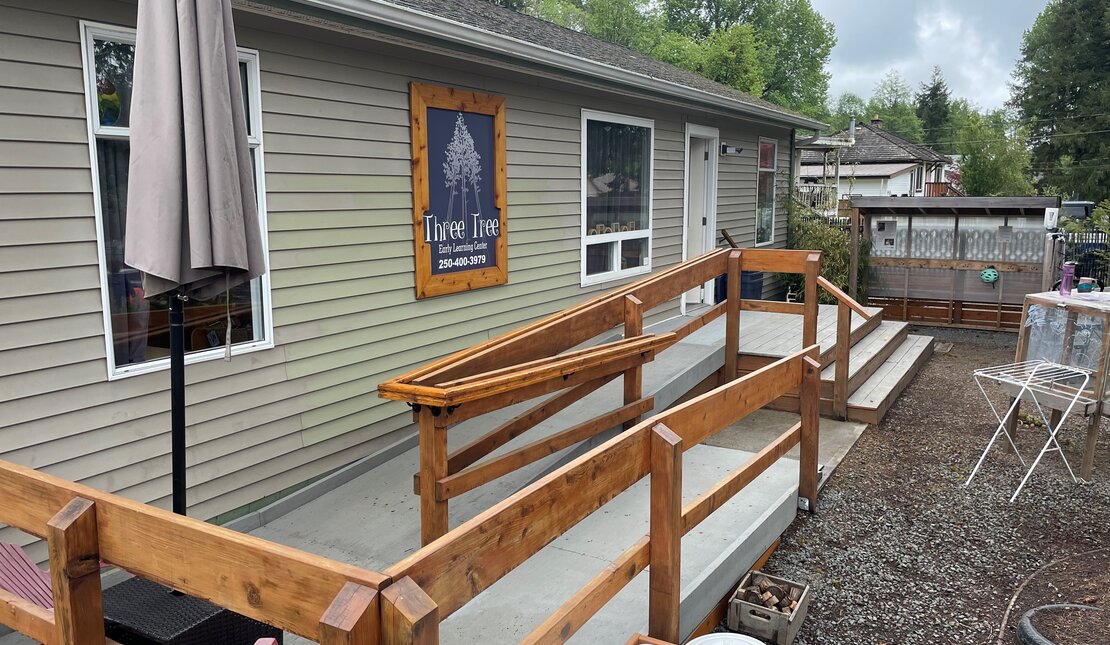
(462, 167)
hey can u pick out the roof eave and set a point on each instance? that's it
(430, 25)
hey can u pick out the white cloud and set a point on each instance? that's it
(975, 44)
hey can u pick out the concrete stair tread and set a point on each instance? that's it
(895, 373)
(869, 348)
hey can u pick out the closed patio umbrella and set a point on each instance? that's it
(192, 220)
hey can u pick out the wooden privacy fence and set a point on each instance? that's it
(927, 254)
(529, 362)
(458, 566)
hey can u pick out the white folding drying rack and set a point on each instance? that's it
(1046, 384)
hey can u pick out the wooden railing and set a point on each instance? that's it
(332, 602)
(530, 362)
(324, 600)
(819, 197)
(458, 566)
(845, 305)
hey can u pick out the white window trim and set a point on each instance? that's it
(609, 276)
(774, 193)
(94, 30)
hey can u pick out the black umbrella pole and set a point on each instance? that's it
(177, 400)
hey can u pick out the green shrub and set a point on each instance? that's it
(808, 230)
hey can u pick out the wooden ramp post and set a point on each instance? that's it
(75, 574)
(732, 317)
(409, 616)
(809, 320)
(843, 358)
(665, 547)
(433, 467)
(352, 618)
(633, 377)
(810, 396)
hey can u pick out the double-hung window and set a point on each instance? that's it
(137, 329)
(765, 192)
(617, 153)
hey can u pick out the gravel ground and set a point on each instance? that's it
(901, 553)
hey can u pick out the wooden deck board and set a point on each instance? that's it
(778, 335)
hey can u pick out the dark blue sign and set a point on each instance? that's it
(462, 224)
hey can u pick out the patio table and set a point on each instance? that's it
(139, 612)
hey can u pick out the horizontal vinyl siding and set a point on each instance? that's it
(336, 141)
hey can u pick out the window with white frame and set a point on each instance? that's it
(137, 329)
(765, 192)
(617, 153)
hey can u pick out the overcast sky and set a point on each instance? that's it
(975, 42)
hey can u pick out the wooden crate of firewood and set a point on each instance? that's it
(768, 607)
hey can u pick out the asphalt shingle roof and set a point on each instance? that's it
(489, 17)
(875, 145)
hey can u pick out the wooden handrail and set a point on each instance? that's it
(568, 328)
(269, 582)
(458, 566)
(839, 294)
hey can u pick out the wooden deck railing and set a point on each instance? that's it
(534, 361)
(332, 603)
(845, 305)
(324, 600)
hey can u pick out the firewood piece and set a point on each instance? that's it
(752, 596)
(777, 592)
(763, 583)
(795, 593)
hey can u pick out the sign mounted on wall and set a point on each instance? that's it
(458, 189)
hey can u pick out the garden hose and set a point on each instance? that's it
(1027, 634)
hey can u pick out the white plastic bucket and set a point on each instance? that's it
(724, 638)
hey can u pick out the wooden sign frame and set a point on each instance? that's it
(422, 97)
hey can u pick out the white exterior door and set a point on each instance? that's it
(701, 203)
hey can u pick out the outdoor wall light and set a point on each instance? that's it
(730, 151)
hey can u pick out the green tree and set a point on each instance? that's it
(847, 107)
(932, 105)
(515, 5)
(621, 22)
(1062, 93)
(732, 58)
(797, 42)
(994, 159)
(892, 101)
(699, 18)
(680, 50)
(793, 41)
(565, 13)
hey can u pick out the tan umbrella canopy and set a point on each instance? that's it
(192, 220)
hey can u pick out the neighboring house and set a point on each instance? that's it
(875, 163)
(83, 368)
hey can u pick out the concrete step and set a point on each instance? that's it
(866, 356)
(870, 402)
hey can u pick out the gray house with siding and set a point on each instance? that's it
(83, 381)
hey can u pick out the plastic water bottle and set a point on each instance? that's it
(1067, 274)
